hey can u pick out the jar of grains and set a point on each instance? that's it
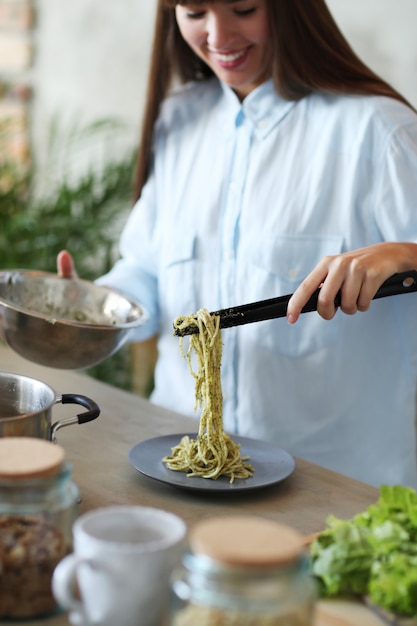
(38, 505)
(243, 571)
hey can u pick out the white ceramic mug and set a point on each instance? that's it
(121, 565)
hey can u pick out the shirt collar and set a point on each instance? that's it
(263, 107)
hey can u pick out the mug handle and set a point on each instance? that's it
(64, 587)
(82, 418)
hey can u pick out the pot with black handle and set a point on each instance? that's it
(26, 408)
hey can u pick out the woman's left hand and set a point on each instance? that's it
(357, 275)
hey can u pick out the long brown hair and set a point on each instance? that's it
(308, 50)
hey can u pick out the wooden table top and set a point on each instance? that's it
(98, 452)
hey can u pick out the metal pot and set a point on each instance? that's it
(26, 408)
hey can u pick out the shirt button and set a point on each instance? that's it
(293, 273)
(262, 123)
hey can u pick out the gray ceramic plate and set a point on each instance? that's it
(271, 464)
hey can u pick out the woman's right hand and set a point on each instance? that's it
(357, 274)
(65, 265)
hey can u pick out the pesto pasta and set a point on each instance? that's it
(213, 453)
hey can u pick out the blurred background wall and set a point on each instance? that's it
(383, 33)
(91, 61)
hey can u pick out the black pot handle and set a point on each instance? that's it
(82, 418)
(75, 398)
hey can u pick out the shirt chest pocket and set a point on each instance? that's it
(279, 267)
(177, 276)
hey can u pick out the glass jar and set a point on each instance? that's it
(38, 505)
(229, 579)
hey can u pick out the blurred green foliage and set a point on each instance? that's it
(82, 213)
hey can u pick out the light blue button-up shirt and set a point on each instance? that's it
(243, 201)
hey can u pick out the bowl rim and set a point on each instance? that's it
(53, 321)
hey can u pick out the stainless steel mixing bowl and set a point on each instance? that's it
(63, 323)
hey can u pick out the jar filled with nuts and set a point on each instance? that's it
(38, 505)
(243, 571)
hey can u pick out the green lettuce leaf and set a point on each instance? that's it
(393, 584)
(373, 554)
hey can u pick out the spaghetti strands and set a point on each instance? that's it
(213, 453)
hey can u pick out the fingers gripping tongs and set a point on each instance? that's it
(404, 282)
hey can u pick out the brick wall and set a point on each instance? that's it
(16, 55)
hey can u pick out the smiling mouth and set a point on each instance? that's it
(231, 57)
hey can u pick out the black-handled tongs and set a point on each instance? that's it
(404, 282)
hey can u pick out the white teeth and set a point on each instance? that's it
(228, 58)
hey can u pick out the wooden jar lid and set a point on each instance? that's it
(246, 540)
(29, 457)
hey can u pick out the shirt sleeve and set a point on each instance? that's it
(396, 193)
(134, 274)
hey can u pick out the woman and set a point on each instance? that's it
(280, 163)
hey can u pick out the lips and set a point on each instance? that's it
(231, 60)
